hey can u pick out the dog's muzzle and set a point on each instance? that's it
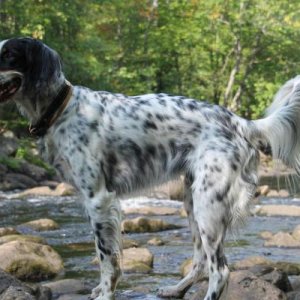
(10, 83)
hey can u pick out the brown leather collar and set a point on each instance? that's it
(55, 109)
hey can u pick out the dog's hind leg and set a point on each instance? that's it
(199, 256)
(105, 216)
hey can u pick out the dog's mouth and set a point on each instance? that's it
(9, 88)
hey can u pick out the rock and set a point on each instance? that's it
(128, 243)
(281, 193)
(66, 286)
(63, 189)
(186, 266)
(282, 239)
(173, 189)
(73, 297)
(137, 260)
(244, 285)
(13, 289)
(8, 145)
(7, 231)
(279, 210)
(295, 282)
(35, 172)
(183, 213)
(156, 241)
(250, 262)
(287, 267)
(141, 224)
(14, 181)
(273, 276)
(13, 293)
(293, 295)
(22, 238)
(41, 225)
(296, 233)
(30, 261)
(266, 235)
(150, 210)
(263, 190)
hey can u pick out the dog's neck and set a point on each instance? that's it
(35, 105)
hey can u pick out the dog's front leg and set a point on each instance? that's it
(104, 213)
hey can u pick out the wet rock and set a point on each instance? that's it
(30, 261)
(8, 231)
(22, 238)
(156, 241)
(13, 289)
(73, 297)
(250, 262)
(296, 233)
(150, 210)
(141, 224)
(262, 190)
(279, 210)
(41, 225)
(66, 286)
(273, 276)
(63, 189)
(287, 267)
(280, 193)
(295, 282)
(266, 235)
(8, 144)
(14, 181)
(35, 172)
(186, 266)
(293, 295)
(137, 260)
(282, 239)
(128, 243)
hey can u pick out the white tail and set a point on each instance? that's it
(281, 126)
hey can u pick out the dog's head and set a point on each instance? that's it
(26, 66)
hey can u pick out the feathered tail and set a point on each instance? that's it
(281, 126)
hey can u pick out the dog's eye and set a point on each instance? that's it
(6, 54)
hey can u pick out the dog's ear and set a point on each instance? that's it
(42, 64)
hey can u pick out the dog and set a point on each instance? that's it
(110, 145)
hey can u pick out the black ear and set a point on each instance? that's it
(42, 64)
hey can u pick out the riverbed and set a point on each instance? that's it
(74, 240)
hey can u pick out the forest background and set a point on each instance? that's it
(232, 53)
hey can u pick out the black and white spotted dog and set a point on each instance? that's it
(111, 145)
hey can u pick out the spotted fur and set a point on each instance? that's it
(110, 145)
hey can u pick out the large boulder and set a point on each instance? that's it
(13, 181)
(7, 231)
(296, 233)
(66, 286)
(151, 210)
(141, 224)
(246, 286)
(30, 261)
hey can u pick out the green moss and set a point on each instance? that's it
(10, 162)
(237, 243)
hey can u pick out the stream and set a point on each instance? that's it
(74, 240)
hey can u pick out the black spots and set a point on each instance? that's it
(212, 258)
(101, 247)
(163, 156)
(101, 257)
(161, 100)
(173, 149)
(233, 166)
(111, 159)
(214, 296)
(150, 150)
(192, 106)
(91, 194)
(218, 169)
(62, 131)
(161, 117)
(148, 124)
(84, 139)
(221, 259)
(94, 126)
(99, 226)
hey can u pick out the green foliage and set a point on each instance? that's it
(10, 162)
(234, 53)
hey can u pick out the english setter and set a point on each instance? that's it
(111, 145)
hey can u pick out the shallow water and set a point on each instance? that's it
(74, 240)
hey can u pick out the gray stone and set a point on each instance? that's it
(66, 286)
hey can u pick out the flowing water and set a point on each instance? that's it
(74, 240)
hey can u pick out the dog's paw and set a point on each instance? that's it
(170, 292)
